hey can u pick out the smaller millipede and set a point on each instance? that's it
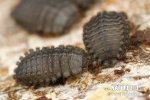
(106, 37)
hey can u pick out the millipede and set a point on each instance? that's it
(46, 16)
(106, 37)
(42, 67)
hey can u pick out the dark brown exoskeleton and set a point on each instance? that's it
(84, 4)
(48, 65)
(140, 37)
(46, 16)
(106, 37)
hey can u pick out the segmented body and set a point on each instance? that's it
(106, 37)
(46, 16)
(47, 66)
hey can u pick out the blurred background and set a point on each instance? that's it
(15, 40)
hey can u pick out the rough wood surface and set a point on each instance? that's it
(14, 41)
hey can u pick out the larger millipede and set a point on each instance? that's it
(48, 65)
